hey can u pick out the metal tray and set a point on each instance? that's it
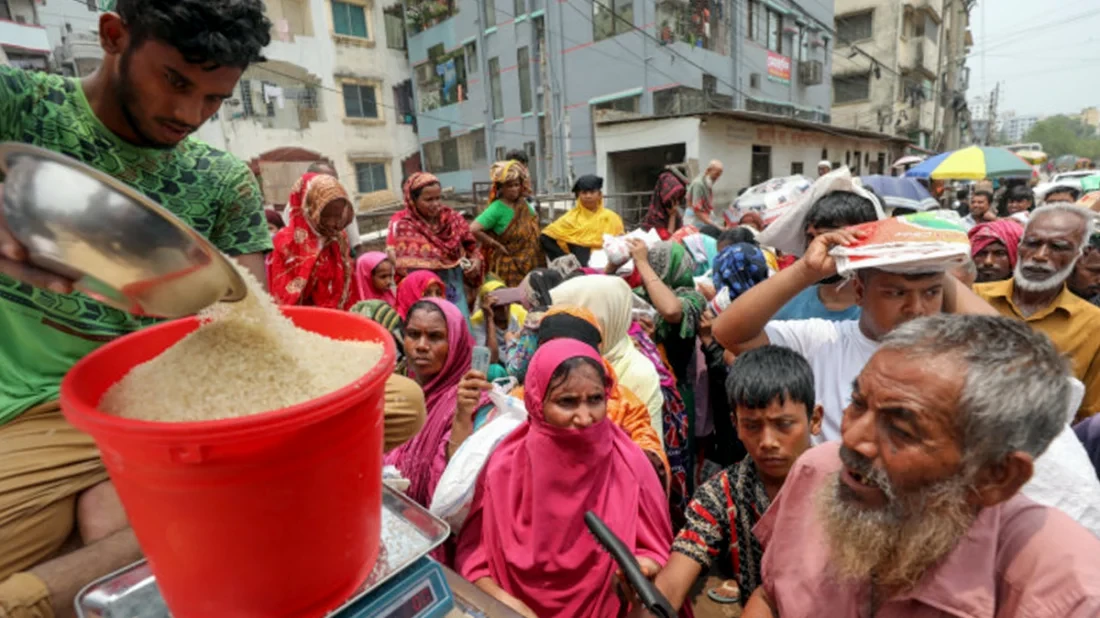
(409, 532)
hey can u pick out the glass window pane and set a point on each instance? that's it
(370, 105)
(524, 71)
(625, 21)
(380, 177)
(358, 20)
(603, 24)
(520, 8)
(490, 13)
(352, 107)
(340, 18)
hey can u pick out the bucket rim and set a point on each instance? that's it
(87, 416)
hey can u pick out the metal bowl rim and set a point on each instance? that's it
(237, 285)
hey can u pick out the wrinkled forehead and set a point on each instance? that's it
(1056, 225)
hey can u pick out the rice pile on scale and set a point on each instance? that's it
(245, 358)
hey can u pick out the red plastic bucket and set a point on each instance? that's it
(267, 516)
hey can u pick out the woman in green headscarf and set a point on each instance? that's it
(383, 314)
(667, 273)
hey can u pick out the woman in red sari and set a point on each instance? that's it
(427, 235)
(311, 263)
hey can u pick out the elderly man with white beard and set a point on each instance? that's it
(1053, 242)
(917, 512)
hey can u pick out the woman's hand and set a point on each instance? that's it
(473, 384)
(639, 252)
(487, 301)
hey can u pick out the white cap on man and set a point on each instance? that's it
(825, 164)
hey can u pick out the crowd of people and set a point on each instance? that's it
(753, 427)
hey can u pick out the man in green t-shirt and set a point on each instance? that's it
(168, 66)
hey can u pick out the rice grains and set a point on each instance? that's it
(245, 358)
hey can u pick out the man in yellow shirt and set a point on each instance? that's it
(1052, 243)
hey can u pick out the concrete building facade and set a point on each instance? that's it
(1014, 128)
(754, 147)
(496, 75)
(335, 87)
(899, 68)
(24, 41)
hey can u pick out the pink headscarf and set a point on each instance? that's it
(422, 459)
(364, 273)
(1005, 231)
(411, 289)
(526, 525)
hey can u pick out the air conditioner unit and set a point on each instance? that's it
(811, 72)
(754, 80)
(425, 73)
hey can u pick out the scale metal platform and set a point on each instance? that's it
(405, 583)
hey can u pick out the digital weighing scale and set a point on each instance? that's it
(405, 582)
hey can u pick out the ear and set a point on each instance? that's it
(113, 35)
(996, 483)
(815, 420)
(860, 289)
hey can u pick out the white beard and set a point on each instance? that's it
(1054, 281)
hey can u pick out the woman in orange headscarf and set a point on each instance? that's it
(311, 263)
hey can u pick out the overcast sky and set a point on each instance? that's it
(1045, 54)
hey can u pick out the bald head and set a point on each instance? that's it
(714, 170)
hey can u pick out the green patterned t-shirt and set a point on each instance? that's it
(42, 334)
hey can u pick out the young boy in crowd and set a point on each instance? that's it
(771, 393)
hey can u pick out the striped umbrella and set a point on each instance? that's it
(973, 163)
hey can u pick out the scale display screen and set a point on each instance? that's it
(415, 603)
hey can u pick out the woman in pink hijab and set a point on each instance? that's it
(525, 541)
(374, 276)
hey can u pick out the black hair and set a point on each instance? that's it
(710, 230)
(588, 182)
(1074, 193)
(426, 305)
(988, 196)
(1015, 193)
(738, 234)
(516, 155)
(221, 33)
(901, 211)
(770, 374)
(561, 374)
(840, 209)
(566, 326)
(415, 193)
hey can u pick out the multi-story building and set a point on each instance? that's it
(899, 68)
(336, 87)
(1014, 128)
(496, 75)
(1090, 117)
(24, 42)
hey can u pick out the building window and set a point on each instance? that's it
(471, 57)
(500, 152)
(370, 177)
(441, 80)
(625, 104)
(854, 28)
(520, 8)
(796, 168)
(360, 101)
(494, 89)
(761, 169)
(403, 103)
(246, 98)
(754, 28)
(349, 19)
(611, 17)
(269, 101)
(851, 88)
(394, 20)
(524, 70)
(490, 13)
(775, 31)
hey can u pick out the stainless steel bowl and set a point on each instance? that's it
(117, 245)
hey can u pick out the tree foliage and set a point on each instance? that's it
(1062, 135)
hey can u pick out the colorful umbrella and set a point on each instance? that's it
(901, 192)
(973, 163)
(1034, 157)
